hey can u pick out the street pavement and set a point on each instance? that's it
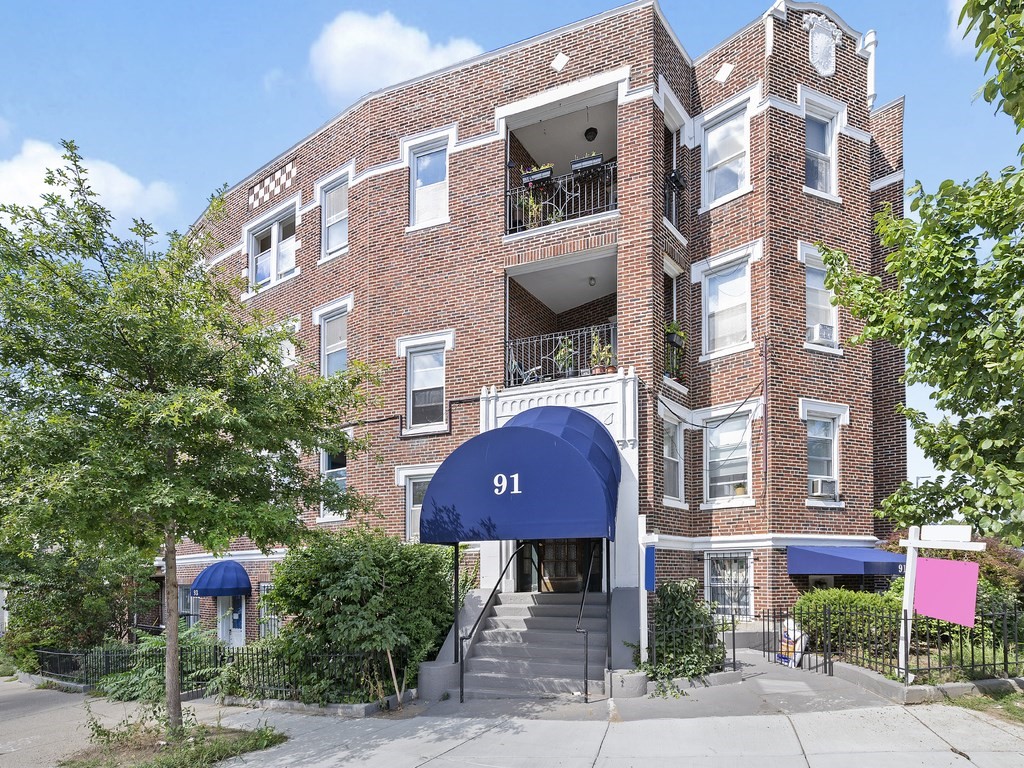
(775, 717)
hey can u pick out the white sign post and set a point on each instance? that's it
(955, 537)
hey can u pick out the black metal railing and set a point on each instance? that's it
(468, 637)
(562, 198)
(708, 644)
(936, 651)
(255, 672)
(558, 355)
(583, 630)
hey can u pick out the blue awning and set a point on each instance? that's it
(549, 473)
(225, 577)
(844, 561)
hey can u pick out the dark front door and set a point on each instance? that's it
(559, 565)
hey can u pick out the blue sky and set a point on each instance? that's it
(169, 100)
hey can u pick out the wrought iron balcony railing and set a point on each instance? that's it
(561, 198)
(560, 355)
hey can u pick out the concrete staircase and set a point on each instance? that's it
(528, 647)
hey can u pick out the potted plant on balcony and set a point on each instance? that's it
(600, 356)
(589, 162)
(538, 173)
(533, 211)
(563, 357)
(675, 335)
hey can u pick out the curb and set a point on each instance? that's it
(922, 694)
(323, 710)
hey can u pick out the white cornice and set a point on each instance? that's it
(242, 556)
(885, 181)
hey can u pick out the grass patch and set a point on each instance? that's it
(1006, 706)
(203, 746)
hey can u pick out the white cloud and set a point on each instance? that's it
(955, 32)
(5, 129)
(357, 53)
(21, 181)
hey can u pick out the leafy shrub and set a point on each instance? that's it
(361, 591)
(686, 640)
(144, 679)
(855, 618)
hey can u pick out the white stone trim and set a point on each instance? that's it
(828, 196)
(819, 348)
(674, 232)
(675, 385)
(594, 218)
(825, 504)
(407, 472)
(752, 252)
(344, 304)
(239, 556)
(671, 268)
(269, 286)
(760, 541)
(435, 338)
(838, 411)
(733, 502)
(563, 98)
(893, 178)
(676, 116)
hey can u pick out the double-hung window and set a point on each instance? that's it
(429, 192)
(270, 623)
(334, 341)
(727, 456)
(822, 318)
(672, 460)
(820, 153)
(823, 422)
(273, 251)
(415, 490)
(726, 162)
(727, 306)
(426, 386)
(188, 606)
(334, 467)
(335, 219)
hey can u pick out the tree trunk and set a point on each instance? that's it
(172, 679)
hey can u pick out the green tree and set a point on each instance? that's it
(141, 403)
(957, 308)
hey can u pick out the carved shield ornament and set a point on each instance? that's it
(825, 37)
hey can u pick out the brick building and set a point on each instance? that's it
(482, 228)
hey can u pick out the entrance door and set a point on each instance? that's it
(559, 565)
(231, 627)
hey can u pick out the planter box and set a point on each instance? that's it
(533, 177)
(676, 340)
(587, 163)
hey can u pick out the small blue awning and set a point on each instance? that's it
(225, 577)
(549, 473)
(844, 561)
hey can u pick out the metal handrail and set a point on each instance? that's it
(472, 632)
(586, 632)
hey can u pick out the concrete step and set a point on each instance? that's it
(482, 681)
(558, 610)
(536, 668)
(539, 638)
(550, 598)
(544, 652)
(545, 623)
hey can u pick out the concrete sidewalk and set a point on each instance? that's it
(775, 717)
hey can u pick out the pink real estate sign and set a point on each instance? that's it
(946, 590)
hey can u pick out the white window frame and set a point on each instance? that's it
(708, 418)
(710, 555)
(325, 225)
(269, 623)
(344, 175)
(809, 255)
(678, 502)
(325, 516)
(740, 104)
(423, 342)
(271, 220)
(416, 146)
(702, 270)
(190, 602)
(329, 311)
(817, 104)
(289, 352)
(405, 476)
(839, 415)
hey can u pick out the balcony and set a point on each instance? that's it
(554, 199)
(561, 355)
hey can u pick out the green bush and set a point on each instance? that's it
(856, 618)
(361, 591)
(686, 641)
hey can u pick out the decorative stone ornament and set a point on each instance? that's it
(825, 37)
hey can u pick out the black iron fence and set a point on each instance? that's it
(936, 651)
(254, 672)
(562, 198)
(705, 645)
(560, 355)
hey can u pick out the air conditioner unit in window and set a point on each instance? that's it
(824, 488)
(822, 334)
